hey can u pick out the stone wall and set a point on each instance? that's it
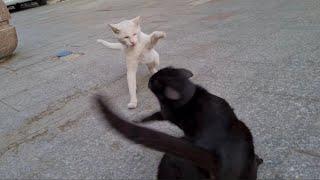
(8, 35)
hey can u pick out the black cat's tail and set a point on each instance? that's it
(158, 140)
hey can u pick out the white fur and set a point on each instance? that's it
(138, 48)
(110, 45)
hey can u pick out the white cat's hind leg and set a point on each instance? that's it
(154, 65)
(132, 85)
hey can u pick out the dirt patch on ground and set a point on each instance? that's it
(68, 125)
(219, 16)
(69, 56)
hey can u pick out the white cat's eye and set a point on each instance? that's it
(126, 37)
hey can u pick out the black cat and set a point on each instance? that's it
(216, 144)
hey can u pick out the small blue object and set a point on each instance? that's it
(63, 53)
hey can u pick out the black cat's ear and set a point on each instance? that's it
(171, 93)
(186, 73)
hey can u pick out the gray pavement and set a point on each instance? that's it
(260, 55)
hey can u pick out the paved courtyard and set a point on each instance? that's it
(263, 56)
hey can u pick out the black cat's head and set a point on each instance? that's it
(172, 86)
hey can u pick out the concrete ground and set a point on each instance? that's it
(260, 55)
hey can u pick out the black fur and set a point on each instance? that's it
(208, 121)
(209, 124)
(177, 147)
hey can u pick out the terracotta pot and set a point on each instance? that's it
(8, 34)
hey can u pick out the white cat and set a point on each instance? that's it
(138, 48)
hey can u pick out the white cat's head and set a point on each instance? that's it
(127, 31)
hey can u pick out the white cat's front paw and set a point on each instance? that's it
(160, 34)
(132, 105)
(163, 34)
(100, 40)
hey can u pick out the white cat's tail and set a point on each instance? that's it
(110, 45)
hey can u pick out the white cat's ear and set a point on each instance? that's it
(186, 73)
(136, 20)
(114, 28)
(171, 93)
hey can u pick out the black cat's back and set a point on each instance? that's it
(209, 122)
(229, 137)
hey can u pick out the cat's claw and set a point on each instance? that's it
(132, 105)
(99, 40)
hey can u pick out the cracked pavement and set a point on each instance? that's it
(261, 56)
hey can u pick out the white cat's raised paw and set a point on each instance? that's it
(132, 105)
(163, 34)
(159, 34)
